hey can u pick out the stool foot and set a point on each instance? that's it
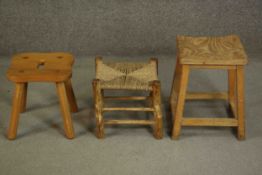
(158, 129)
(16, 108)
(240, 103)
(156, 97)
(98, 97)
(179, 106)
(71, 96)
(69, 130)
(100, 130)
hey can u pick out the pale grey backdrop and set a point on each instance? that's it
(123, 27)
(127, 30)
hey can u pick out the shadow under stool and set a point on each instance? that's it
(42, 67)
(127, 76)
(225, 53)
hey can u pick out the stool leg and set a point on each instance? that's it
(240, 103)
(69, 130)
(175, 85)
(16, 108)
(179, 108)
(232, 88)
(24, 97)
(98, 99)
(71, 96)
(156, 95)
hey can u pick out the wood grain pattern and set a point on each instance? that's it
(98, 101)
(226, 53)
(40, 67)
(179, 108)
(226, 50)
(129, 122)
(17, 102)
(24, 98)
(69, 130)
(71, 96)
(240, 103)
(156, 98)
(209, 122)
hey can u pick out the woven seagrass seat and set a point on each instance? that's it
(132, 76)
(127, 76)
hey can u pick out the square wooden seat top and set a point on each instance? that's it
(40, 67)
(226, 50)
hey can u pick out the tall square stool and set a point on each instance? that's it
(209, 53)
(42, 67)
(127, 76)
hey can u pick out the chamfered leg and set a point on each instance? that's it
(156, 98)
(98, 100)
(240, 103)
(175, 83)
(179, 107)
(71, 96)
(232, 77)
(69, 130)
(16, 108)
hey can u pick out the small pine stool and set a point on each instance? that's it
(42, 67)
(209, 53)
(127, 76)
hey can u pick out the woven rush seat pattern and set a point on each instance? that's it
(132, 76)
(127, 76)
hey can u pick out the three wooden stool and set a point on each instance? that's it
(209, 53)
(127, 76)
(42, 67)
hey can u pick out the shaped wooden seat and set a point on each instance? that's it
(127, 76)
(209, 53)
(42, 67)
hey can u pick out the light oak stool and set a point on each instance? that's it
(127, 76)
(42, 67)
(209, 53)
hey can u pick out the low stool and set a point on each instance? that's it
(42, 67)
(127, 76)
(225, 53)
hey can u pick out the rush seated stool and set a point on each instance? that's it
(226, 53)
(42, 67)
(127, 76)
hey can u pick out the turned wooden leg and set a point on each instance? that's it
(16, 108)
(24, 97)
(240, 103)
(156, 98)
(69, 130)
(98, 100)
(179, 108)
(71, 96)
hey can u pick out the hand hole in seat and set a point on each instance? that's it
(41, 65)
(59, 57)
(25, 57)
